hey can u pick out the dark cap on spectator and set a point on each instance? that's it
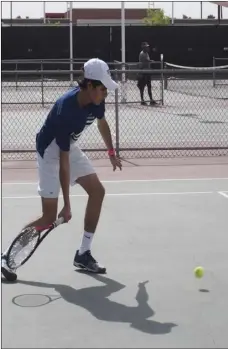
(145, 44)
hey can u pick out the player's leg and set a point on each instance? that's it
(141, 87)
(83, 173)
(149, 89)
(49, 213)
(49, 209)
(48, 189)
(96, 192)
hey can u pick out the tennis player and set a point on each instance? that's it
(61, 163)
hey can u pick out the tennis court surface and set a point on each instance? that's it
(161, 218)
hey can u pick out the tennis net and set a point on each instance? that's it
(221, 61)
(200, 82)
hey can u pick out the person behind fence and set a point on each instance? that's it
(144, 79)
(61, 162)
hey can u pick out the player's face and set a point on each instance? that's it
(98, 94)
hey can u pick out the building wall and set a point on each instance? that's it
(192, 46)
(187, 45)
(107, 14)
(53, 42)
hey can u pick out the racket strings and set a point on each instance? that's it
(23, 246)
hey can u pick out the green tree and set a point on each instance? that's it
(156, 17)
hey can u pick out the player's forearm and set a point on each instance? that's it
(64, 177)
(105, 132)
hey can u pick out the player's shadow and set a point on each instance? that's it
(95, 300)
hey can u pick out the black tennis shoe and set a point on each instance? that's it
(87, 262)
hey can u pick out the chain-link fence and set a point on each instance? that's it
(190, 117)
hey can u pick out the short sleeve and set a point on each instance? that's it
(63, 139)
(63, 126)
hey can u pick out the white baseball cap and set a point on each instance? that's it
(96, 69)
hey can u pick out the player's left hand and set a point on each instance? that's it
(116, 162)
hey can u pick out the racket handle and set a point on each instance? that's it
(59, 221)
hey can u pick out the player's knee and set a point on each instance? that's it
(92, 185)
(97, 191)
(102, 191)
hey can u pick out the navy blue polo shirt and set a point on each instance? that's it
(66, 121)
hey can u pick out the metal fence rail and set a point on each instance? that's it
(190, 119)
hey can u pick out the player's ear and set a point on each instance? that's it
(80, 77)
(89, 85)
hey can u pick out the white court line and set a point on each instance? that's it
(117, 194)
(134, 180)
(224, 193)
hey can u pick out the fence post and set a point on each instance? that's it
(42, 85)
(213, 74)
(117, 116)
(16, 77)
(123, 84)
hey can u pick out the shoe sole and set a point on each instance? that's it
(9, 276)
(99, 271)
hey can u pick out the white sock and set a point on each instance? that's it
(86, 242)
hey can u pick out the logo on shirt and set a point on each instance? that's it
(90, 119)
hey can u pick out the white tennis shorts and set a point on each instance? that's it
(48, 169)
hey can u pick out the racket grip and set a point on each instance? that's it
(59, 221)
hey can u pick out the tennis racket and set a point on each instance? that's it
(25, 244)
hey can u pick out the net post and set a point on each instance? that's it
(165, 78)
(117, 117)
(162, 78)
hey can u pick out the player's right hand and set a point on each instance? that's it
(65, 213)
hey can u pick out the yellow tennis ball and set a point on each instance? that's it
(199, 272)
